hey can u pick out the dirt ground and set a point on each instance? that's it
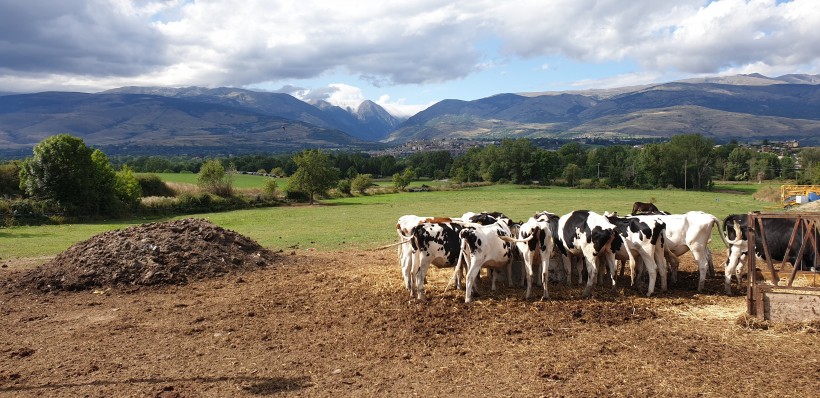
(331, 324)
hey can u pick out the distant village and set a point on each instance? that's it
(460, 146)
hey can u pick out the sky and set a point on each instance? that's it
(403, 55)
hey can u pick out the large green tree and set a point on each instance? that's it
(314, 173)
(65, 170)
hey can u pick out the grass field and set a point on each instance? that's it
(247, 181)
(363, 222)
(241, 181)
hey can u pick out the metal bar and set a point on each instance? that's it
(775, 277)
(791, 242)
(799, 259)
(751, 308)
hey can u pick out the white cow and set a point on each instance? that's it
(691, 232)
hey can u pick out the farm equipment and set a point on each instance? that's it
(791, 195)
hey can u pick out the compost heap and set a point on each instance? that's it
(164, 253)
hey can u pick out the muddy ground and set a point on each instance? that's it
(324, 324)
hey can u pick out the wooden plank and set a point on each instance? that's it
(791, 306)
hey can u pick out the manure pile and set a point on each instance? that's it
(167, 253)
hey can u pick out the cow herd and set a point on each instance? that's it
(580, 243)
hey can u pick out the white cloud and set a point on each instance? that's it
(399, 107)
(101, 44)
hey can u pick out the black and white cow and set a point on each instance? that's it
(644, 245)
(588, 235)
(489, 218)
(690, 232)
(488, 246)
(437, 243)
(404, 227)
(778, 233)
(535, 243)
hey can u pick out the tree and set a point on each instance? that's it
(269, 188)
(214, 178)
(127, 187)
(277, 172)
(65, 170)
(314, 173)
(787, 167)
(402, 180)
(361, 182)
(10, 179)
(572, 173)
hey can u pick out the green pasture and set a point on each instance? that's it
(363, 222)
(247, 181)
(241, 181)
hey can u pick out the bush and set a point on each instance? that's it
(270, 188)
(297, 196)
(30, 212)
(344, 187)
(152, 185)
(215, 179)
(361, 182)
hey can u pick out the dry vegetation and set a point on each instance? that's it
(335, 324)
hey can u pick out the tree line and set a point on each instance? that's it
(66, 176)
(685, 161)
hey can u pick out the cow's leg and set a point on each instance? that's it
(652, 269)
(421, 274)
(592, 273)
(660, 262)
(567, 262)
(545, 271)
(632, 270)
(601, 269)
(733, 266)
(472, 272)
(710, 262)
(673, 264)
(527, 272)
(406, 260)
(699, 252)
(509, 273)
(579, 264)
(609, 257)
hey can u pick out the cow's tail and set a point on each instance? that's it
(402, 240)
(728, 243)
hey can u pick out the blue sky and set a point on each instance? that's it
(403, 55)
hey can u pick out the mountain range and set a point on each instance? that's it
(196, 120)
(744, 107)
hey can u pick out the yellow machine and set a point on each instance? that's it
(791, 195)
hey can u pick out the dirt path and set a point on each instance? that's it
(337, 324)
